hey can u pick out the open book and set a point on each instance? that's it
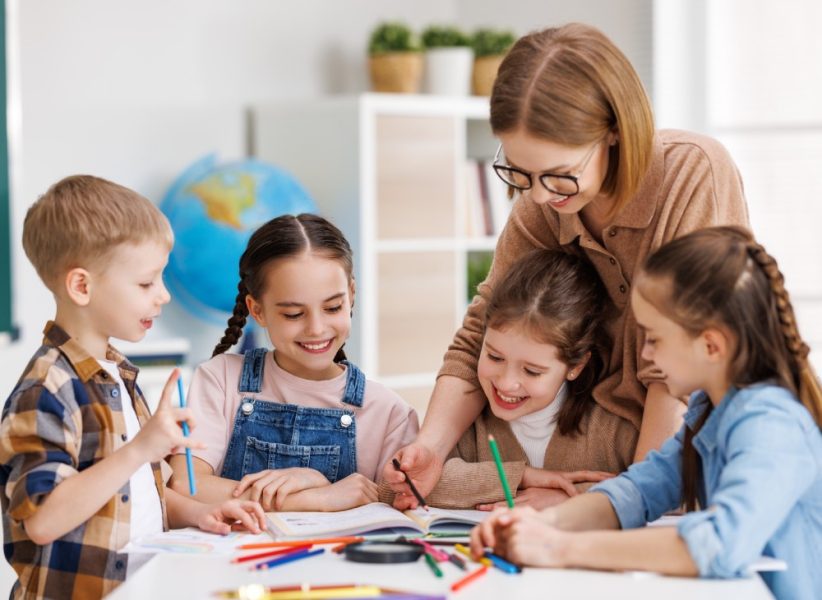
(371, 518)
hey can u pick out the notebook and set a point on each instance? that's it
(371, 518)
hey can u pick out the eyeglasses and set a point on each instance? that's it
(561, 185)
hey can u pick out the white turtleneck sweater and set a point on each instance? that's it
(534, 430)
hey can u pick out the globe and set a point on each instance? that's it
(213, 210)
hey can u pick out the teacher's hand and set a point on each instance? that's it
(422, 465)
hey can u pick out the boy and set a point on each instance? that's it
(80, 454)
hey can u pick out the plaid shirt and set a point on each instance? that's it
(65, 415)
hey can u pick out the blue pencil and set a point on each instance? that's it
(192, 487)
(290, 558)
(502, 564)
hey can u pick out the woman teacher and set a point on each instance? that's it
(591, 176)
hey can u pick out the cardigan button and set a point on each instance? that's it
(612, 260)
(612, 232)
(622, 289)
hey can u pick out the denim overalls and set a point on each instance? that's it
(271, 435)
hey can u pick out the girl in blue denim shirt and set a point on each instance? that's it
(747, 464)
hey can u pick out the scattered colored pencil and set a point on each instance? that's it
(410, 483)
(432, 564)
(436, 553)
(192, 486)
(500, 471)
(270, 553)
(300, 554)
(287, 543)
(502, 564)
(476, 574)
(466, 552)
(453, 558)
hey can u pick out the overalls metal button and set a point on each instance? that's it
(247, 408)
(346, 420)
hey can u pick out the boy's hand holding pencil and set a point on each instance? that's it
(163, 432)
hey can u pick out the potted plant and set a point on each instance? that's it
(395, 61)
(490, 47)
(448, 59)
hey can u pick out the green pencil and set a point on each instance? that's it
(432, 564)
(495, 451)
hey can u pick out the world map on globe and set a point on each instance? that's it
(213, 210)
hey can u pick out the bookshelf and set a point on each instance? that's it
(390, 171)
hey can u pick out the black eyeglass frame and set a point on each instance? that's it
(499, 169)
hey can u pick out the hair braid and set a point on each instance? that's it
(803, 378)
(236, 322)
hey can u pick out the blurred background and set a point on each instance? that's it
(137, 92)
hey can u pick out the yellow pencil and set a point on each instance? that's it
(481, 560)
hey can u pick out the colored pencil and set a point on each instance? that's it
(453, 558)
(500, 471)
(270, 553)
(437, 554)
(476, 574)
(502, 564)
(314, 541)
(432, 564)
(192, 486)
(410, 483)
(300, 554)
(465, 551)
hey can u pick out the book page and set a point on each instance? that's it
(440, 518)
(347, 522)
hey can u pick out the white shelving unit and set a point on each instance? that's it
(389, 170)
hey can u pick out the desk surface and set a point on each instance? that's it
(186, 576)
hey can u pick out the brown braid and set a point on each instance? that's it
(236, 322)
(801, 375)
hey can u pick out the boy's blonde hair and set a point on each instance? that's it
(81, 219)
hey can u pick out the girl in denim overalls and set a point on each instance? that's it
(747, 464)
(298, 427)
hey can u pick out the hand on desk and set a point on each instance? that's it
(350, 492)
(272, 486)
(422, 465)
(522, 536)
(541, 488)
(232, 514)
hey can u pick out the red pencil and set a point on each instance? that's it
(270, 553)
(460, 583)
(287, 543)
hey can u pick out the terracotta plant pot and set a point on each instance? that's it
(396, 72)
(484, 74)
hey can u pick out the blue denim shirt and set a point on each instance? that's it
(761, 455)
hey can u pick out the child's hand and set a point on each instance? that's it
(162, 434)
(564, 480)
(271, 487)
(527, 539)
(355, 490)
(534, 497)
(422, 465)
(232, 514)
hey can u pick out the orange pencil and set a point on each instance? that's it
(270, 553)
(461, 583)
(291, 543)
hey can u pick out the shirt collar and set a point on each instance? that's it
(640, 209)
(706, 436)
(84, 363)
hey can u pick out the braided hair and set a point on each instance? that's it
(282, 237)
(720, 276)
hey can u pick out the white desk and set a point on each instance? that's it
(185, 576)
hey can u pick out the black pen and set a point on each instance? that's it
(414, 490)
